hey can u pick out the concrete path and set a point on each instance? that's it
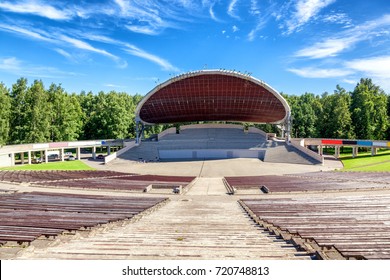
(203, 224)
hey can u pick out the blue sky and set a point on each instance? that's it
(294, 46)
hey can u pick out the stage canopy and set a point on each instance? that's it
(212, 95)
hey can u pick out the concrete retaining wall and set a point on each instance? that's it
(210, 154)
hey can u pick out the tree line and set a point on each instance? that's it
(33, 114)
(363, 113)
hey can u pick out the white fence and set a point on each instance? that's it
(128, 146)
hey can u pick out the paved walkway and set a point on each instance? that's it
(206, 223)
(214, 168)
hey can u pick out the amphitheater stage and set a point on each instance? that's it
(216, 168)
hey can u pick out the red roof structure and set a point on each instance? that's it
(212, 95)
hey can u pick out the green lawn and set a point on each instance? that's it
(65, 165)
(366, 162)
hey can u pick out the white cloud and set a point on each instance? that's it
(235, 28)
(338, 18)
(254, 9)
(133, 50)
(378, 67)
(19, 68)
(329, 47)
(151, 17)
(64, 53)
(146, 29)
(166, 65)
(37, 8)
(39, 35)
(312, 72)
(212, 14)
(350, 81)
(346, 39)
(232, 9)
(304, 11)
(262, 21)
(114, 86)
(10, 64)
(85, 46)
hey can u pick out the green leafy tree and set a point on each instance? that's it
(5, 114)
(335, 121)
(19, 112)
(369, 110)
(87, 102)
(305, 110)
(66, 115)
(38, 114)
(388, 116)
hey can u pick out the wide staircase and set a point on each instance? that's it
(215, 142)
(206, 225)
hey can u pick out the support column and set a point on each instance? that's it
(22, 157)
(12, 155)
(336, 151)
(46, 157)
(320, 150)
(355, 152)
(29, 157)
(62, 154)
(374, 151)
(78, 153)
(94, 152)
(108, 150)
(139, 131)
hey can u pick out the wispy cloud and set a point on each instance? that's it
(346, 39)
(85, 46)
(38, 8)
(133, 50)
(55, 38)
(31, 33)
(151, 17)
(254, 9)
(313, 72)
(378, 67)
(232, 9)
(329, 47)
(338, 18)
(20, 68)
(166, 65)
(114, 86)
(305, 10)
(64, 53)
(10, 64)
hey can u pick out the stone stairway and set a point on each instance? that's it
(187, 227)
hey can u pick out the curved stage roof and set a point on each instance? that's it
(212, 95)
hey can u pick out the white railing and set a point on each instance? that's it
(128, 146)
(300, 146)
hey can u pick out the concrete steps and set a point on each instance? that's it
(187, 227)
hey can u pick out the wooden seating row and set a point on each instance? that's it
(20, 176)
(275, 183)
(26, 216)
(355, 226)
